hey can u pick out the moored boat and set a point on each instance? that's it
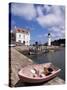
(38, 73)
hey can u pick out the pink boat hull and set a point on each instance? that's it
(25, 76)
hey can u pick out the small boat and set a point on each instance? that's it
(32, 53)
(38, 73)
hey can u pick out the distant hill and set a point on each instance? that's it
(58, 42)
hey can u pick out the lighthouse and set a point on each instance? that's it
(49, 39)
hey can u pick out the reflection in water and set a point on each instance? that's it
(57, 58)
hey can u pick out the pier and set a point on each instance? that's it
(17, 61)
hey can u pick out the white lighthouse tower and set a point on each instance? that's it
(49, 39)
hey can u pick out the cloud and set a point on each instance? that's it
(50, 16)
(49, 20)
(54, 20)
(47, 8)
(39, 11)
(55, 17)
(24, 10)
(59, 31)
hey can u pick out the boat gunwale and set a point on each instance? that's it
(39, 78)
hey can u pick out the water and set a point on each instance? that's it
(57, 58)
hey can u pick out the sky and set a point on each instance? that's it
(41, 19)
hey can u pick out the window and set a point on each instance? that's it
(19, 35)
(24, 36)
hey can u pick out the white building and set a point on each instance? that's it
(49, 39)
(22, 36)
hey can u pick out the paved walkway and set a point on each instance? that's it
(17, 61)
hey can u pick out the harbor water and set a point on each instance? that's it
(57, 58)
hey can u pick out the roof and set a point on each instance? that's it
(22, 30)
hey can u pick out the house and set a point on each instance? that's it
(22, 36)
